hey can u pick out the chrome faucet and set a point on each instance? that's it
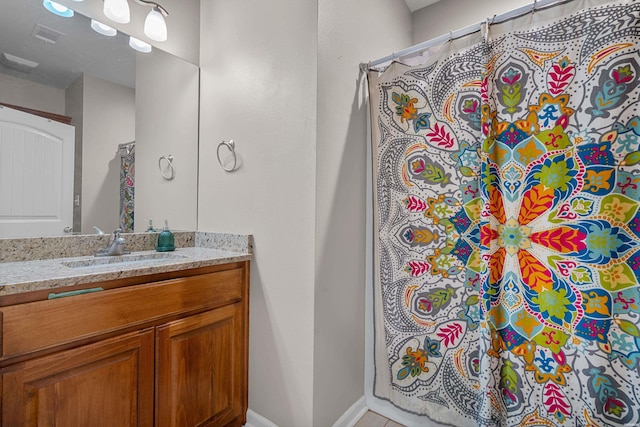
(115, 247)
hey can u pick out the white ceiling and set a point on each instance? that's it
(79, 50)
(418, 4)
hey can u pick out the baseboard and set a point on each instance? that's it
(348, 419)
(353, 414)
(255, 420)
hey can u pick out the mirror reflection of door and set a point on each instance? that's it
(36, 175)
(114, 95)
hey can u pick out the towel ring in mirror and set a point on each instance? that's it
(231, 146)
(168, 172)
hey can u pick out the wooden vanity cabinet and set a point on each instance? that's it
(109, 383)
(165, 353)
(196, 384)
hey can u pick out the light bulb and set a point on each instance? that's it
(139, 45)
(117, 10)
(155, 26)
(57, 9)
(103, 29)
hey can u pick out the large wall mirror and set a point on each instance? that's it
(134, 118)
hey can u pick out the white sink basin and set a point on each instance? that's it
(128, 260)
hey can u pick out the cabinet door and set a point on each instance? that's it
(109, 383)
(201, 369)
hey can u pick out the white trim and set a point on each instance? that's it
(353, 414)
(256, 420)
(348, 419)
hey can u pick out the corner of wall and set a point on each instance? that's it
(352, 415)
(256, 420)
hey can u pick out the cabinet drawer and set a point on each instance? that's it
(35, 326)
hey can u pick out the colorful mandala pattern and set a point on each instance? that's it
(127, 190)
(507, 220)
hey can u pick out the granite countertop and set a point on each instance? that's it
(54, 273)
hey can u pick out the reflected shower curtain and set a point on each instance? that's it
(507, 223)
(127, 186)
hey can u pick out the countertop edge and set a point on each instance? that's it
(56, 276)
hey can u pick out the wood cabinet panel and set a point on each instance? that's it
(107, 384)
(55, 322)
(200, 369)
(173, 352)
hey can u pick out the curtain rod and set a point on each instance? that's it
(536, 5)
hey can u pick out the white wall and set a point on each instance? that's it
(450, 15)
(24, 93)
(259, 87)
(108, 120)
(383, 26)
(166, 124)
(265, 84)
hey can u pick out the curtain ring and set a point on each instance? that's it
(486, 26)
(170, 169)
(485, 30)
(231, 146)
(450, 35)
(535, 6)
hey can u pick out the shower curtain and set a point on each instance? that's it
(507, 223)
(127, 185)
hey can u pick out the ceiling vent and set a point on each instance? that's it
(46, 34)
(17, 63)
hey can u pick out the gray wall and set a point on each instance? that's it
(259, 87)
(285, 86)
(166, 124)
(108, 119)
(450, 15)
(341, 160)
(24, 93)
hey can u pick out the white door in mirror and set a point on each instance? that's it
(36, 175)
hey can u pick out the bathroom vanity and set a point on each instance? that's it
(137, 343)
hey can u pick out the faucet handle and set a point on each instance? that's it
(115, 235)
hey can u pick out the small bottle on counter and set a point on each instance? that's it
(150, 229)
(165, 239)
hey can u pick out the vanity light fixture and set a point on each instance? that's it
(117, 10)
(57, 9)
(103, 29)
(155, 26)
(139, 45)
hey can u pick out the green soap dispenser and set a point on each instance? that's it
(165, 239)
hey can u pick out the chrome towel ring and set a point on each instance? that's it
(168, 172)
(231, 146)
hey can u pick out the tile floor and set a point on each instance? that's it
(371, 419)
